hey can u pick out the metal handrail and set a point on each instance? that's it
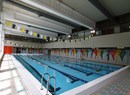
(48, 83)
(43, 77)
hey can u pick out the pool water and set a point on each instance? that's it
(69, 73)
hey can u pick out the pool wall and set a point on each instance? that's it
(94, 85)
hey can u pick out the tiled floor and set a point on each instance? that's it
(120, 86)
(10, 83)
(15, 79)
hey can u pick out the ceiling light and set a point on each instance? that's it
(69, 36)
(92, 31)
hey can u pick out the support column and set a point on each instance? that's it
(117, 29)
(1, 40)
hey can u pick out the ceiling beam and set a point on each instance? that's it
(1, 5)
(40, 14)
(45, 23)
(101, 8)
(75, 18)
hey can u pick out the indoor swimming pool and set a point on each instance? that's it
(68, 73)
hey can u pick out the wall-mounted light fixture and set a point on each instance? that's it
(92, 31)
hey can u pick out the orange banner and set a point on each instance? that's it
(8, 49)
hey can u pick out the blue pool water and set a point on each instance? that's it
(69, 73)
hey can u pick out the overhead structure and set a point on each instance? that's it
(41, 25)
(1, 5)
(40, 13)
(60, 10)
(101, 8)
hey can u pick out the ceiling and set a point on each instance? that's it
(114, 7)
(53, 9)
(62, 18)
(87, 9)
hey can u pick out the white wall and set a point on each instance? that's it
(119, 40)
(113, 40)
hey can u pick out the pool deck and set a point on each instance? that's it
(16, 80)
(121, 86)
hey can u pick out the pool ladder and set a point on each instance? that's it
(43, 77)
(48, 83)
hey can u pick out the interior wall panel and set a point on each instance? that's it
(119, 40)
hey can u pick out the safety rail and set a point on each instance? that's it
(1, 59)
(43, 77)
(48, 83)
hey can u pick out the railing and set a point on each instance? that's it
(48, 83)
(1, 59)
(43, 77)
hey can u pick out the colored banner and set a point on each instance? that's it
(54, 52)
(34, 34)
(90, 51)
(22, 29)
(86, 52)
(101, 53)
(118, 53)
(108, 54)
(73, 52)
(113, 53)
(122, 54)
(76, 51)
(81, 50)
(60, 51)
(67, 52)
(8, 23)
(70, 52)
(44, 37)
(8, 49)
(95, 52)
